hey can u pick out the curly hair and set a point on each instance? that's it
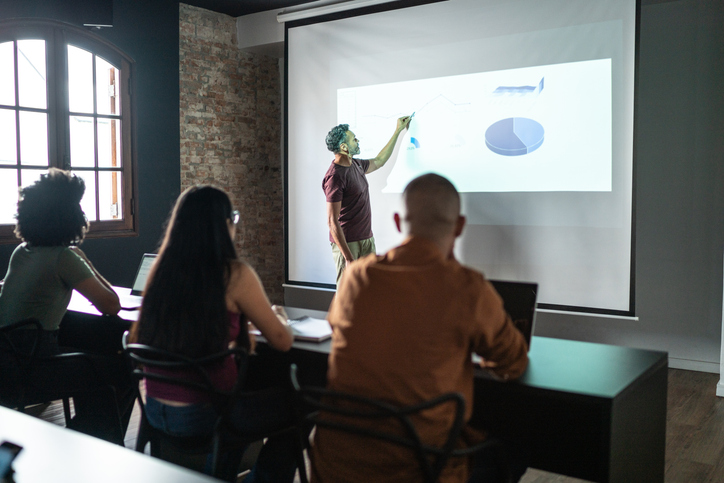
(336, 136)
(49, 212)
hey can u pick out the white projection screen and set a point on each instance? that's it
(526, 106)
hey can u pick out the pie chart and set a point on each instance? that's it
(514, 136)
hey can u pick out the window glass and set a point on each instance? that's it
(8, 195)
(31, 74)
(78, 121)
(34, 138)
(110, 195)
(30, 176)
(8, 139)
(88, 203)
(80, 80)
(109, 143)
(7, 74)
(107, 87)
(82, 148)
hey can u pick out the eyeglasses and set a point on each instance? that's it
(235, 215)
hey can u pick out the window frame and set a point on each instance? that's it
(58, 36)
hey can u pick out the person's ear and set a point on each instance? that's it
(398, 222)
(343, 148)
(459, 225)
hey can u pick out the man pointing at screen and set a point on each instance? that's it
(345, 186)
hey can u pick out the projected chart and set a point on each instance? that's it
(541, 128)
(514, 136)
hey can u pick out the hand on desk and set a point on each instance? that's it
(489, 367)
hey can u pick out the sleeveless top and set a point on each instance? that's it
(223, 376)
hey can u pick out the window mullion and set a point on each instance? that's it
(17, 110)
(60, 113)
(95, 140)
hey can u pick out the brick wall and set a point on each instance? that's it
(230, 134)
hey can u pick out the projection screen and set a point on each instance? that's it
(526, 106)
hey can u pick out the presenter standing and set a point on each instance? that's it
(349, 215)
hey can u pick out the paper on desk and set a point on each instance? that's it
(307, 329)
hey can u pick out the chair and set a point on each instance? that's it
(431, 459)
(180, 450)
(17, 363)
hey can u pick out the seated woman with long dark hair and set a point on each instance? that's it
(41, 276)
(197, 301)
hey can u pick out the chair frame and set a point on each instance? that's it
(25, 359)
(323, 401)
(141, 356)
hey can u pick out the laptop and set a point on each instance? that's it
(134, 300)
(519, 300)
(139, 283)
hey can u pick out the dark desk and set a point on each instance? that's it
(591, 411)
(85, 328)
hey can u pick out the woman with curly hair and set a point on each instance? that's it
(42, 274)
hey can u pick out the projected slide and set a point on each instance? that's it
(542, 128)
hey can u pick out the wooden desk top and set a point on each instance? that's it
(53, 453)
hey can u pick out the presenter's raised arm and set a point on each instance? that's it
(335, 229)
(380, 160)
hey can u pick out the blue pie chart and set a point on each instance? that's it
(514, 136)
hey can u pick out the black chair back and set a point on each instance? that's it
(15, 359)
(24, 348)
(146, 360)
(358, 411)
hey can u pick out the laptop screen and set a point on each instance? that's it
(519, 300)
(140, 281)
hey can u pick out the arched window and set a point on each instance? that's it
(65, 101)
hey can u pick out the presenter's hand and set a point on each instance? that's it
(403, 123)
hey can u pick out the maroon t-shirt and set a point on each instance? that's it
(348, 184)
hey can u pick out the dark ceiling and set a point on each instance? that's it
(237, 8)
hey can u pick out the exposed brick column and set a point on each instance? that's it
(230, 134)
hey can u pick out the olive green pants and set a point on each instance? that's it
(358, 248)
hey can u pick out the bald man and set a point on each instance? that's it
(405, 325)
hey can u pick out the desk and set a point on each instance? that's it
(53, 453)
(85, 328)
(591, 411)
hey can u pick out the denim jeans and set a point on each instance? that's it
(254, 413)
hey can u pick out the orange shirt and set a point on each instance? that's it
(404, 327)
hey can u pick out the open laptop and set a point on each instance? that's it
(134, 300)
(519, 300)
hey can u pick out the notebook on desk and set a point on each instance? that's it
(307, 329)
(310, 329)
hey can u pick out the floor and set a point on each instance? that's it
(694, 431)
